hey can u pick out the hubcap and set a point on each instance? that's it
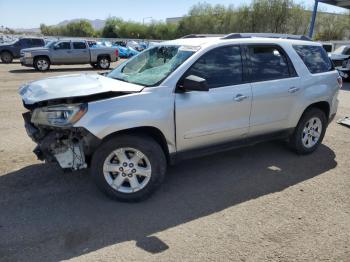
(311, 132)
(104, 63)
(127, 170)
(42, 64)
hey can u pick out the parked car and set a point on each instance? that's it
(341, 59)
(11, 50)
(181, 99)
(65, 52)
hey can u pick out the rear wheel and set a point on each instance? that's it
(309, 133)
(42, 64)
(128, 168)
(103, 62)
(6, 57)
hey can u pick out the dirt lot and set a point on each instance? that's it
(261, 203)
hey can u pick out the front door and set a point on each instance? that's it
(62, 53)
(205, 118)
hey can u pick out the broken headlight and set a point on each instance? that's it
(59, 115)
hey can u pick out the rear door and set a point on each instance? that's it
(220, 114)
(80, 53)
(275, 88)
(61, 53)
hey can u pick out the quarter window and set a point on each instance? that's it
(267, 63)
(219, 67)
(315, 58)
(79, 45)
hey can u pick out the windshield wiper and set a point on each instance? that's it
(120, 79)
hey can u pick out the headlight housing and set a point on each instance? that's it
(59, 115)
(27, 54)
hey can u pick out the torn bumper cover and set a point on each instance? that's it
(70, 147)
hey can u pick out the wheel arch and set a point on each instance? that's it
(324, 106)
(149, 131)
(39, 56)
(6, 50)
(104, 55)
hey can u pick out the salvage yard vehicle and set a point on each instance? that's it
(11, 50)
(341, 59)
(68, 52)
(181, 99)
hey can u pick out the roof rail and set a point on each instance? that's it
(202, 35)
(266, 35)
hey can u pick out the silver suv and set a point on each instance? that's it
(180, 99)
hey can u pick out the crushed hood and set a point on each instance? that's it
(70, 86)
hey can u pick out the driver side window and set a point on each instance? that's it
(62, 46)
(220, 67)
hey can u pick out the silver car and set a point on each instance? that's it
(181, 99)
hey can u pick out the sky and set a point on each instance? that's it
(31, 13)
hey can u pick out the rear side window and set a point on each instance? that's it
(219, 67)
(38, 42)
(268, 63)
(79, 45)
(315, 58)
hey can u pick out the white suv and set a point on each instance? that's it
(180, 99)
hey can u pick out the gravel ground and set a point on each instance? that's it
(261, 203)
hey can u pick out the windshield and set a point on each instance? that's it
(339, 50)
(153, 65)
(50, 43)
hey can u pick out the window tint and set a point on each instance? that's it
(79, 45)
(267, 63)
(220, 67)
(63, 45)
(347, 51)
(37, 42)
(315, 58)
(26, 43)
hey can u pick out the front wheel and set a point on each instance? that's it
(309, 133)
(103, 63)
(42, 64)
(128, 168)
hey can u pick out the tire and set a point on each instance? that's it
(94, 65)
(103, 62)
(42, 64)
(307, 136)
(115, 184)
(6, 57)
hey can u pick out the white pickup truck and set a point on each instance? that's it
(65, 52)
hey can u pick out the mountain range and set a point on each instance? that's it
(96, 24)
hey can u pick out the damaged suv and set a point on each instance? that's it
(180, 99)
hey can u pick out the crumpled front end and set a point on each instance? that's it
(70, 147)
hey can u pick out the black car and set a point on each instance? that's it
(11, 50)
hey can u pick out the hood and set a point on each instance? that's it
(42, 48)
(335, 56)
(71, 86)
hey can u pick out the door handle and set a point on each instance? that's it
(240, 97)
(293, 89)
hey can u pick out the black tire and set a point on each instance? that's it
(6, 57)
(103, 62)
(94, 65)
(148, 147)
(296, 142)
(38, 64)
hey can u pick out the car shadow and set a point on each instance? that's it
(32, 70)
(48, 215)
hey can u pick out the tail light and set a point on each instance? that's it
(116, 53)
(340, 81)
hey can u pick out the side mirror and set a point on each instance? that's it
(54, 47)
(194, 83)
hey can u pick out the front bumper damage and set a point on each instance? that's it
(70, 147)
